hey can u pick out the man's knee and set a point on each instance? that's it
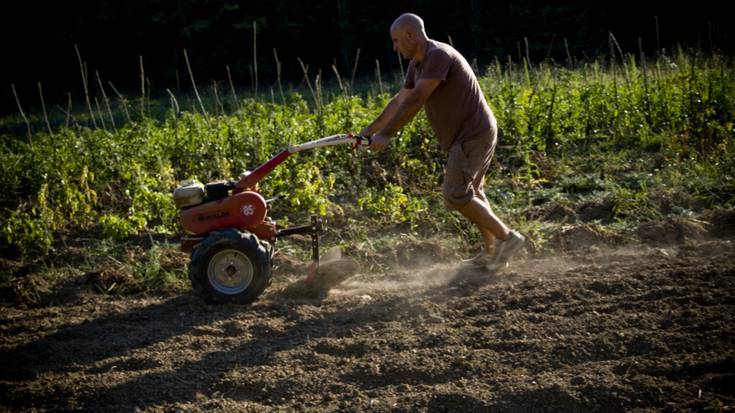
(455, 199)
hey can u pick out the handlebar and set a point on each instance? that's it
(354, 140)
(361, 140)
(261, 171)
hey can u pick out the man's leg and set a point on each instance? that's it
(478, 211)
(512, 240)
(490, 226)
(489, 239)
(472, 160)
(487, 235)
(463, 190)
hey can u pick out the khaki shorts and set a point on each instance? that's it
(464, 173)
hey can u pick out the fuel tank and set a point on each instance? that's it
(242, 210)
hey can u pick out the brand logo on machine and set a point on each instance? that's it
(248, 210)
(213, 215)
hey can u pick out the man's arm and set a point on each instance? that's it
(408, 108)
(388, 112)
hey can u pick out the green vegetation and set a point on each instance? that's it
(617, 145)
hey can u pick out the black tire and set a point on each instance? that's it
(230, 266)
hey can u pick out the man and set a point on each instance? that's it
(440, 80)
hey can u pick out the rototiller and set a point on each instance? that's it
(230, 235)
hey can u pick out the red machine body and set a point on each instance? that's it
(244, 210)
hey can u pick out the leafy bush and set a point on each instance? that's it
(120, 181)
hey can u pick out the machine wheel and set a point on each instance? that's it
(230, 266)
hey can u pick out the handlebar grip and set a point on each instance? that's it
(360, 140)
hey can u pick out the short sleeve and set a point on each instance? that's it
(436, 65)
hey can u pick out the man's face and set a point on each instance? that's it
(402, 42)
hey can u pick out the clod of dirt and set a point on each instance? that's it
(329, 274)
(572, 237)
(25, 291)
(35, 291)
(671, 231)
(560, 213)
(723, 223)
(112, 275)
(601, 210)
(173, 259)
(287, 265)
(13, 268)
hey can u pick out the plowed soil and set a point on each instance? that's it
(634, 328)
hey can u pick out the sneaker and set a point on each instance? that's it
(481, 260)
(504, 250)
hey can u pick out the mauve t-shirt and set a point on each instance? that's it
(457, 110)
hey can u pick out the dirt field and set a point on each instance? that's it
(594, 329)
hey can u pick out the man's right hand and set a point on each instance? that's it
(366, 132)
(379, 142)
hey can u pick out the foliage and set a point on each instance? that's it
(566, 135)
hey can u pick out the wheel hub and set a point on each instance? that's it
(230, 271)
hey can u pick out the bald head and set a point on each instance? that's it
(409, 22)
(408, 35)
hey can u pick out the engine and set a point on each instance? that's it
(210, 207)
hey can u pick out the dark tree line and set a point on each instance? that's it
(112, 35)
